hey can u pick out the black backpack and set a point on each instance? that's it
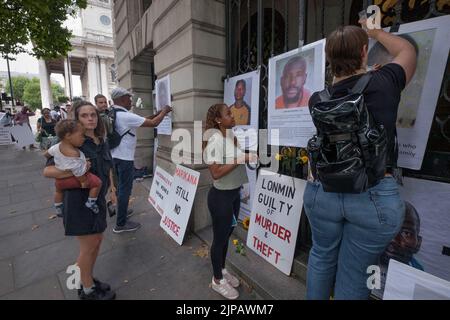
(114, 138)
(348, 153)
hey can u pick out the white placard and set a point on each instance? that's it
(417, 106)
(161, 184)
(241, 94)
(293, 77)
(163, 98)
(407, 283)
(247, 194)
(23, 135)
(5, 136)
(275, 218)
(178, 205)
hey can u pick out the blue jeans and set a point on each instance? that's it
(349, 233)
(124, 171)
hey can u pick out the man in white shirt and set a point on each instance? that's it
(126, 124)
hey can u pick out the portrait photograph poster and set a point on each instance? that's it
(289, 92)
(162, 99)
(431, 37)
(246, 115)
(423, 242)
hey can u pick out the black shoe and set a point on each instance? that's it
(128, 227)
(98, 284)
(98, 294)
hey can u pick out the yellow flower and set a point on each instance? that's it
(278, 157)
(235, 242)
(246, 223)
(304, 159)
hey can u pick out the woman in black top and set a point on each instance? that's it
(46, 123)
(351, 230)
(80, 221)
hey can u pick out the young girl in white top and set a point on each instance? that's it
(226, 163)
(68, 157)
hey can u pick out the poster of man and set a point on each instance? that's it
(431, 38)
(240, 108)
(292, 83)
(241, 94)
(163, 98)
(423, 238)
(293, 77)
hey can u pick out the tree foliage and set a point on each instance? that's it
(18, 84)
(39, 22)
(32, 94)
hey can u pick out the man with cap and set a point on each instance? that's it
(126, 124)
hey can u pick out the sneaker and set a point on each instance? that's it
(225, 289)
(232, 280)
(98, 294)
(98, 284)
(128, 227)
(59, 210)
(93, 206)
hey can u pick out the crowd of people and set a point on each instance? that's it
(94, 160)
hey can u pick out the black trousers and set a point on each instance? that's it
(222, 205)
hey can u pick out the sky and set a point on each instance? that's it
(25, 63)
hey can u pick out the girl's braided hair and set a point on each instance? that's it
(211, 115)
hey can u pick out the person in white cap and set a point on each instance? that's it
(126, 124)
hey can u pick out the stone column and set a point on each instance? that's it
(46, 92)
(104, 78)
(92, 77)
(192, 50)
(67, 78)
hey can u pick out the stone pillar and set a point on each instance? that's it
(192, 50)
(67, 78)
(84, 85)
(104, 78)
(46, 92)
(93, 76)
(141, 82)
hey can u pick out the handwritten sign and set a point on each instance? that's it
(5, 136)
(178, 205)
(162, 181)
(275, 217)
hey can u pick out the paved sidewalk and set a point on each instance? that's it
(34, 253)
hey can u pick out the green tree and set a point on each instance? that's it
(19, 84)
(32, 94)
(57, 92)
(39, 22)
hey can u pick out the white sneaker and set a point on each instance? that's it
(225, 289)
(232, 280)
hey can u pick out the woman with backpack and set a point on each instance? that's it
(353, 204)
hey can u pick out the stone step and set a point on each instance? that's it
(267, 281)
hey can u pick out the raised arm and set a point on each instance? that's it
(155, 120)
(401, 49)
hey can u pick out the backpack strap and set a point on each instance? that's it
(362, 83)
(115, 110)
